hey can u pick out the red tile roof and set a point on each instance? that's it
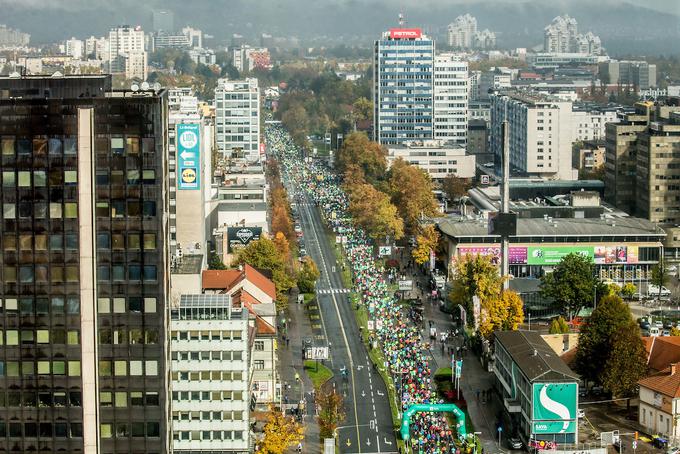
(242, 297)
(666, 382)
(662, 351)
(260, 281)
(219, 279)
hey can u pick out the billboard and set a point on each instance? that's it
(552, 255)
(616, 254)
(240, 237)
(188, 156)
(554, 407)
(405, 33)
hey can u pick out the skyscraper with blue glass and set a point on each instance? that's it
(403, 86)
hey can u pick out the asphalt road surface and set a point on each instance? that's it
(368, 425)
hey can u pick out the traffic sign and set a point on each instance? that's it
(634, 444)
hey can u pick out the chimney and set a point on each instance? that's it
(673, 368)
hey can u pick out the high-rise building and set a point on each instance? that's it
(126, 52)
(561, 37)
(194, 36)
(163, 21)
(237, 118)
(450, 99)
(13, 38)
(540, 134)
(97, 48)
(462, 31)
(210, 375)
(74, 48)
(85, 267)
(403, 86)
(638, 74)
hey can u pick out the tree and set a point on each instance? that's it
(628, 290)
(373, 211)
(263, 254)
(474, 275)
(280, 433)
(455, 187)
(627, 362)
(411, 191)
(283, 246)
(358, 150)
(426, 241)
(362, 110)
(215, 262)
(296, 120)
(558, 325)
(501, 312)
(571, 285)
(597, 334)
(308, 275)
(659, 276)
(675, 331)
(331, 412)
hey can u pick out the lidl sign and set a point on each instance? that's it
(188, 156)
(554, 407)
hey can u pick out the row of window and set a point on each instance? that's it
(122, 305)
(135, 272)
(40, 210)
(131, 336)
(39, 336)
(124, 146)
(207, 416)
(124, 368)
(40, 242)
(129, 241)
(29, 368)
(38, 146)
(206, 435)
(31, 399)
(206, 396)
(131, 177)
(207, 356)
(42, 430)
(134, 429)
(208, 375)
(206, 335)
(119, 209)
(56, 305)
(38, 178)
(123, 399)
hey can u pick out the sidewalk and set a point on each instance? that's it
(290, 362)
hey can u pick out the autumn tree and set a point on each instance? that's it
(558, 325)
(280, 433)
(263, 254)
(331, 412)
(426, 241)
(283, 246)
(373, 211)
(280, 212)
(370, 156)
(411, 191)
(308, 275)
(474, 275)
(627, 362)
(362, 109)
(501, 312)
(296, 120)
(675, 331)
(571, 285)
(597, 334)
(455, 187)
(628, 290)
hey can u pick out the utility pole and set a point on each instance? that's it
(505, 202)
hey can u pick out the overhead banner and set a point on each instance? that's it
(554, 407)
(240, 237)
(188, 156)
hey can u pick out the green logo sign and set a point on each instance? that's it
(552, 255)
(554, 407)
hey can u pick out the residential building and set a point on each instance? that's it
(13, 38)
(210, 340)
(194, 36)
(98, 48)
(479, 110)
(493, 79)
(246, 58)
(589, 120)
(589, 155)
(478, 137)
(473, 85)
(450, 99)
(237, 118)
(540, 129)
(403, 86)
(126, 52)
(163, 21)
(163, 40)
(203, 56)
(562, 36)
(533, 380)
(436, 158)
(462, 31)
(660, 402)
(639, 74)
(662, 351)
(486, 39)
(74, 48)
(252, 290)
(85, 267)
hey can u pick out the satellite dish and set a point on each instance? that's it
(145, 86)
(157, 86)
(134, 87)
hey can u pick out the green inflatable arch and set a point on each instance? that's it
(421, 408)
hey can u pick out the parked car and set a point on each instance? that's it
(515, 443)
(668, 324)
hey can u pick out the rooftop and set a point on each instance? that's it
(534, 357)
(662, 351)
(666, 382)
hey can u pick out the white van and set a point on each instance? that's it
(653, 291)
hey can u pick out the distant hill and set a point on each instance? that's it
(624, 28)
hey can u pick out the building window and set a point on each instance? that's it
(258, 364)
(259, 346)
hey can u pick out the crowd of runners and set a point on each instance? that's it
(400, 341)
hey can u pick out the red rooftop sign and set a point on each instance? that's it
(405, 33)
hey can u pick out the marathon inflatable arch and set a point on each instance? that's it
(423, 408)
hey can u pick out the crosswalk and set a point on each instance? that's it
(334, 291)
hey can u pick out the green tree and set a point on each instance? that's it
(571, 285)
(558, 325)
(308, 275)
(474, 275)
(411, 191)
(215, 262)
(627, 362)
(628, 290)
(659, 275)
(331, 412)
(597, 334)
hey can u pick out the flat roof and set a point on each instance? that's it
(534, 357)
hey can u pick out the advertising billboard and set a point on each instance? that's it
(240, 237)
(188, 157)
(552, 255)
(554, 408)
(405, 33)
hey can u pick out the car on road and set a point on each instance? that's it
(515, 443)
(580, 413)
(298, 228)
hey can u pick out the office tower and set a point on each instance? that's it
(638, 74)
(403, 62)
(450, 99)
(237, 118)
(163, 21)
(210, 375)
(540, 134)
(126, 52)
(84, 275)
(461, 32)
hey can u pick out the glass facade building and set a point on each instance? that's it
(84, 278)
(403, 66)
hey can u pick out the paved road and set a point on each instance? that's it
(368, 425)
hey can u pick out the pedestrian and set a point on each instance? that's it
(287, 341)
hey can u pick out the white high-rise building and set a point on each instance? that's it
(561, 36)
(237, 118)
(462, 32)
(541, 134)
(450, 99)
(127, 43)
(74, 47)
(194, 36)
(210, 374)
(99, 47)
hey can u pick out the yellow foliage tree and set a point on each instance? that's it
(280, 433)
(426, 240)
(503, 311)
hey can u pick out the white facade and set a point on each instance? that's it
(237, 118)
(473, 85)
(540, 134)
(562, 36)
(127, 52)
(435, 158)
(659, 414)
(210, 375)
(97, 46)
(135, 65)
(74, 48)
(450, 99)
(589, 124)
(494, 78)
(194, 36)
(461, 32)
